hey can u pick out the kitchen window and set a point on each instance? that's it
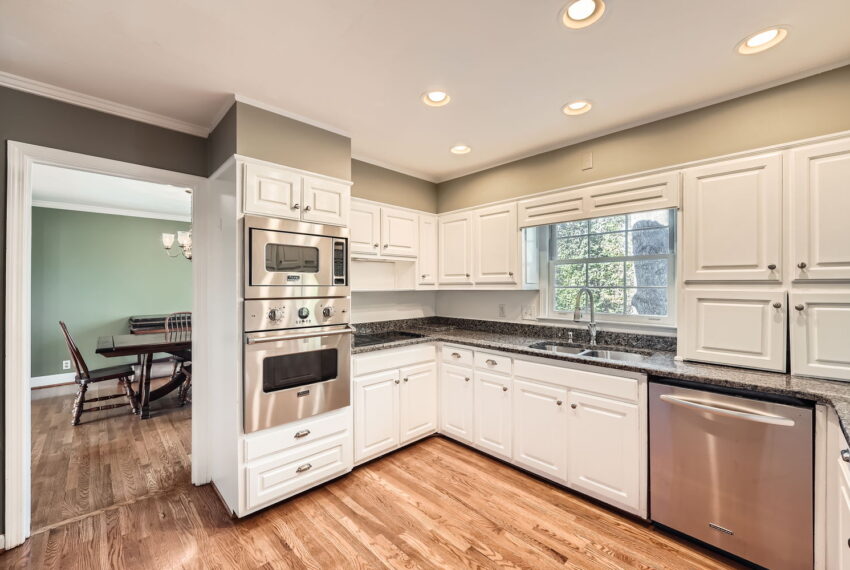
(627, 261)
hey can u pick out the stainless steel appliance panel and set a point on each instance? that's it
(736, 473)
(290, 375)
(271, 314)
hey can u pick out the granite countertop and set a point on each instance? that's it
(658, 363)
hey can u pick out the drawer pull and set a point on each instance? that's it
(455, 355)
(490, 362)
(302, 433)
(303, 468)
(845, 455)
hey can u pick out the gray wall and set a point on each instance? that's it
(383, 185)
(45, 122)
(809, 107)
(221, 143)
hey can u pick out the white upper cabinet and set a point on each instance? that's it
(539, 422)
(365, 228)
(399, 233)
(271, 191)
(456, 402)
(325, 201)
(285, 193)
(493, 413)
(496, 240)
(820, 334)
(418, 401)
(455, 253)
(732, 218)
(820, 204)
(604, 449)
(428, 244)
(741, 328)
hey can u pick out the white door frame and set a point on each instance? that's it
(21, 158)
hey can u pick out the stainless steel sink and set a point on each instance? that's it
(557, 347)
(614, 355)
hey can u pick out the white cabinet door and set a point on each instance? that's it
(496, 244)
(456, 402)
(325, 202)
(418, 401)
(272, 191)
(427, 250)
(493, 413)
(820, 334)
(732, 220)
(604, 449)
(741, 328)
(376, 414)
(820, 202)
(399, 233)
(455, 254)
(365, 228)
(837, 497)
(540, 428)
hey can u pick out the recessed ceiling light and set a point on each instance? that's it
(460, 149)
(582, 13)
(435, 98)
(762, 40)
(576, 107)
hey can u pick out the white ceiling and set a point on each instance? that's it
(64, 188)
(359, 66)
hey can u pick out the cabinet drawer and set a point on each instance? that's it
(296, 470)
(493, 362)
(393, 358)
(457, 355)
(579, 379)
(280, 439)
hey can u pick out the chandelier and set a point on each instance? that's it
(184, 240)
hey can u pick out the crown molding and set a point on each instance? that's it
(96, 103)
(110, 211)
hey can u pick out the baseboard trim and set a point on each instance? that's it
(52, 380)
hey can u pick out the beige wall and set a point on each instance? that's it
(809, 107)
(268, 136)
(382, 185)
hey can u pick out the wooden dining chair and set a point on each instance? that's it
(177, 324)
(123, 373)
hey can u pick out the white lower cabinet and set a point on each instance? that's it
(603, 447)
(540, 427)
(456, 402)
(376, 427)
(493, 413)
(418, 401)
(837, 496)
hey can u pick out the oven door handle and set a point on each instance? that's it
(297, 336)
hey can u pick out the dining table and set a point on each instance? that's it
(144, 347)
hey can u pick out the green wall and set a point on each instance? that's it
(93, 271)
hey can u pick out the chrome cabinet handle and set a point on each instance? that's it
(845, 455)
(559, 402)
(574, 406)
(455, 355)
(302, 433)
(707, 407)
(777, 305)
(799, 307)
(307, 208)
(772, 266)
(504, 388)
(296, 206)
(490, 362)
(303, 468)
(802, 265)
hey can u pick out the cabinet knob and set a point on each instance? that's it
(424, 275)
(504, 388)
(772, 266)
(802, 265)
(777, 305)
(574, 406)
(845, 455)
(296, 205)
(455, 355)
(405, 379)
(490, 362)
(467, 274)
(510, 273)
(307, 208)
(466, 379)
(396, 381)
(386, 245)
(559, 402)
(374, 245)
(302, 433)
(799, 307)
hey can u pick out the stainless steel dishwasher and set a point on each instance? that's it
(734, 472)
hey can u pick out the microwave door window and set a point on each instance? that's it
(291, 258)
(299, 369)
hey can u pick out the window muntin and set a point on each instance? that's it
(628, 262)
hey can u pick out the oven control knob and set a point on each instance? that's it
(303, 313)
(328, 312)
(276, 314)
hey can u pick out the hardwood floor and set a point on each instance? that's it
(435, 504)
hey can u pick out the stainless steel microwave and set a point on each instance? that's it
(290, 259)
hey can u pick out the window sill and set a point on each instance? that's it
(662, 329)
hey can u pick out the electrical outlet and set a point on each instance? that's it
(66, 365)
(501, 310)
(528, 312)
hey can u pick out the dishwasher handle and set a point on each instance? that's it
(705, 407)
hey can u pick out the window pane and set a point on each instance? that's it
(609, 300)
(654, 219)
(571, 275)
(571, 229)
(605, 274)
(572, 248)
(646, 273)
(647, 301)
(565, 299)
(649, 242)
(610, 224)
(608, 245)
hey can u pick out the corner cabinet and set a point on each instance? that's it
(496, 240)
(282, 192)
(455, 253)
(382, 231)
(428, 246)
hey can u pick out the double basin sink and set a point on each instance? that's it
(605, 354)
